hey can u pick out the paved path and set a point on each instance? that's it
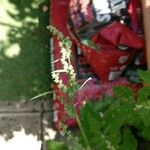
(25, 125)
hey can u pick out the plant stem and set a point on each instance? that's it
(82, 132)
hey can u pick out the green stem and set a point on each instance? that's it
(82, 132)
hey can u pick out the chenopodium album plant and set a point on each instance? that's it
(121, 122)
(70, 89)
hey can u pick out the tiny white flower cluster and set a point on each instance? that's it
(70, 89)
(65, 49)
(55, 76)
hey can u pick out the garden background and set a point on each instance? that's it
(24, 49)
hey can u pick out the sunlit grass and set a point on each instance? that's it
(24, 49)
(12, 51)
(6, 6)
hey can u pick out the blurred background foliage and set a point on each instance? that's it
(24, 49)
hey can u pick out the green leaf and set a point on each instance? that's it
(91, 123)
(144, 94)
(115, 138)
(116, 117)
(145, 115)
(145, 76)
(134, 119)
(103, 104)
(91, 117)
(113, 121)
(88, 113)
(123, 93)
(41, 95)
(56, 145)
(129, 141)
(146, 132)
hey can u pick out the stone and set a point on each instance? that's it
(47, 105)
(20, 131)
(49, 133)
(13, 106)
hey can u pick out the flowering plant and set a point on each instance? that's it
(118, 122)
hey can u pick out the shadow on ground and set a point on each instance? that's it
(24, 49)
(25, 122)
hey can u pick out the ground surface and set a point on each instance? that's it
(25, 125)
(24, 49)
